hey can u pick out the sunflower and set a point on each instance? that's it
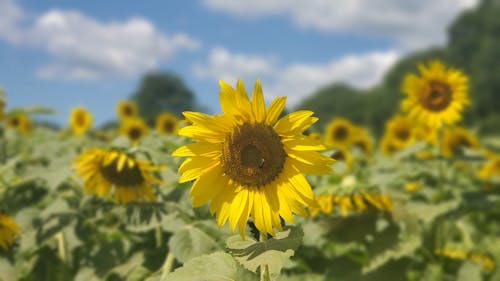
(126, 109)
(20, 122)
(491, 169)
(401, 131)
(80, 120)
(9, 231)
(250, 164)
(167, 123)
(106, 171)
(358, 201)
(343, 155)
(2, 106)
(361, 140)
(456, 138)
(339, 132)
(134, 129)
(315, 136)
(437, 97)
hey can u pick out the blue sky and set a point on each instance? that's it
(64, 53)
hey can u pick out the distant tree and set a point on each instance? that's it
(474, 45)
(160, 92)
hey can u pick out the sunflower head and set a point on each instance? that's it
(80, 120)
(352, 202)
(456, 138)
(9, 231)
(248, 163)
(20, 122)
(400, 131)
(134, 128)
(114, 172)
(437, 96)
(361, 140)
(491, 169)
(126, 109)
(343, 154)
(339, 132)
(167, 124)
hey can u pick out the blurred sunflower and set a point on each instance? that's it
(315, 136)
(249, 163)
(344, 155)
(456, 138)
(491, 169)
(361, 140)
(387, 145)
(437, 97)
(2, 107)
(134, 128)
(20, 122)
(9, 231)
(126, 109)
(167, 124)
(111, 171)
(339, 132)
(358, 201)
(80, 120)
(400, 132)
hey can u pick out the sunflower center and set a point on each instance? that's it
(14, 122)
(80, 119)
(340, 133)
(253, 154)
(437, 97)
(168, 126)
(128, 111)
(338, 155)
(127, 177)
(361, 145)
(135, 133)
(402, 133)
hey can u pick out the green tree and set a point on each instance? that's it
(159, 92)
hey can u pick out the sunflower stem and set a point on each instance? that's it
(167, 266)
(61, 246)
(264, 269)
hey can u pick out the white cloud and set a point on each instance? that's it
(299, 79)
(84, 48)
(411, 24)
(10, 17)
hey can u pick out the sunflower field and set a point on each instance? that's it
(252, 193)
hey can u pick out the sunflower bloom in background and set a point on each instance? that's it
(110, 171)
(437, 96)
(20, 122)
(348, 203)
(126, 109)
(456, 138)
(491, 169)
(361, 140)
(399, 133)
(339, 132)
(167, 124)
(9, 231)
(250, 164)
(134, 129)
(80, 120)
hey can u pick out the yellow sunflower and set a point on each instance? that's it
(491, 169)
(20, 122)
(126, 109)
(456, 138)
(111, 171)
(250, 164)
(9, 231)
(339, 132)
(437, 97)
(344, 155)
(134, 129)
(80, 120)
(361, 140)
(167, 124)
(352, 202)
(400, 132)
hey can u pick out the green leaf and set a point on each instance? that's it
(403, 248)
(86, 274)
(191, 242)
(469, 272)
(274, 253)
(214, 267)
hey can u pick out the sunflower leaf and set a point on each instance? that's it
(190, 242)
(216, 266)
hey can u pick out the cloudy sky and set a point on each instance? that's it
(64, 53)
